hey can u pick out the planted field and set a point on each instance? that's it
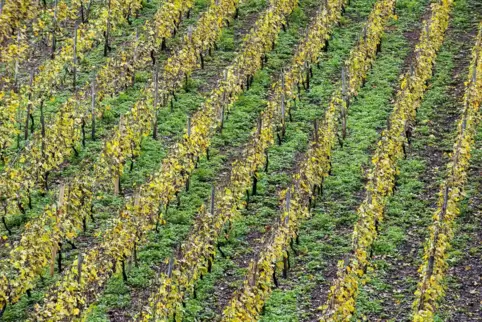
(240, 160)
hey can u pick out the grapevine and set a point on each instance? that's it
(140, 213)
(248, 302)
(198, 252)
(86, 36)
(81, 122)
(126, 140)
(381, 179)
(48, 25)
(48, 149)
(12, 15)
(70, 214)
(432, 271)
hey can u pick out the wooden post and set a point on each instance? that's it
(223, 110)
(60, 258)
(52, 258)
(316, 131)
(307, 69)
(42, 124)
(288, 200)
(6, 226)
(134, 58)
(285, 266)
(170, 267)
(189, 32)
(266, 166)
(156, 101)
(92, 109)
(107, 47)
(83, 132)
(54, 28)
(189, 126)
(275, 280)
(255, 185)
(42, 118)
(474, 73)
(29, 106)
(74, 67)
(117, 184)
(213, 194)
(427, 28)
(260, 125)
(283, 97)
(15, 77)
(79, 267)
(82, 13)
(124, 274)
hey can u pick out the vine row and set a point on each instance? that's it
(13, 13)
(248, 302)
(381, 178)
(43, 85)
(42, 238)
(125, 142)
(140, 214)
(197, 253)
(432, 271)
(47, 24)
(49, 148)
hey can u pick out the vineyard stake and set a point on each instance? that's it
(29, 106)
(79, 267)
(92, 107)
(275, 280)
(266, 166)
(54, 39)
(5, 225)
(74, 60)
(156, 101)
(107, 47)
(29, 196)
(124, 275)
(60, 257)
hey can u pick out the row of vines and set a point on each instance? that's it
(67, 31)
(381, 178)
(71, 294)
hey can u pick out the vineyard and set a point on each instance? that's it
(240, 160)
